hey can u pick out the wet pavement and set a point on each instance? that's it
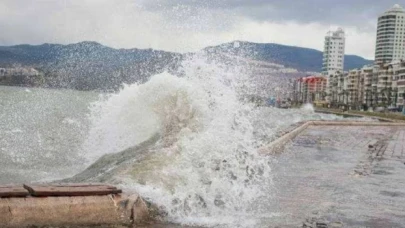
(341, 176)
(338, 176)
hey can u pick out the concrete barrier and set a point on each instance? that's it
(340, 113)
(277, 146)
(73, 211)
(356, 123)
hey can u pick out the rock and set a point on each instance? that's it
(200, 201)
(138, 208)
(219, 202)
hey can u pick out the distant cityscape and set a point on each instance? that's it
(18, 70)
(381, 84)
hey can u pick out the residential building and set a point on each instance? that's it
(338, 87)
(400, 85)
(332, 87)
(311, 88)
(390, 44)
(367, 75)
(342, 89)
(353, 85)
(379, 85)
(334, 51)
(384, 84)
(391, 84)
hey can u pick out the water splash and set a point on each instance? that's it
(206, 164)
(308, 108)
(205, 169)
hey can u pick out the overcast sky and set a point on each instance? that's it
(189, 25)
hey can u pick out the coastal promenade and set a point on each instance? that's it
(341, 175)
(326, 174)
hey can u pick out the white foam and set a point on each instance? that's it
(71, 121)
(308, 108)
(207, 170)
(208, 166)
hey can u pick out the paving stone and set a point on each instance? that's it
(351, 174)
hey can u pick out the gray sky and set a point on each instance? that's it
(189, 25)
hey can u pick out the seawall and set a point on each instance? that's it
(72, 205)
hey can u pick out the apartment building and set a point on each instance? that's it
(334, 51)
(309, 89)
(379, 85)
(368, 90)
(399, 84)
(390, 43)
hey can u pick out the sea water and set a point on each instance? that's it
(204, 168)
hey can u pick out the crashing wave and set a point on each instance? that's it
(188, 144)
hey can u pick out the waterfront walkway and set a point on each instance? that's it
(331, 174)
(389, 116)
(342, 176)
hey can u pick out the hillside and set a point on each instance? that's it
(87, 65)
(92, 66)
(302, 59)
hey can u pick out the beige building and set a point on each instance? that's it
(310, 89)
(368, 77)
(400, 84)
(375, 86)
(338, 88)
(355, 87)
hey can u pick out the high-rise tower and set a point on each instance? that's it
(390, 43)
(334, 52)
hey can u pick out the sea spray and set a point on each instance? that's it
(206, 164)
(200, 164)
(308, 107)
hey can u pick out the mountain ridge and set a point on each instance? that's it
(85, 65)
(89, 65)
(300, 58)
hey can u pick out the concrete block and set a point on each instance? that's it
(72, 211)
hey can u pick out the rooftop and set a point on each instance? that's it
(395, 9)
(339, 33)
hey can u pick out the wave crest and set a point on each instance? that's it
(205, 164)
